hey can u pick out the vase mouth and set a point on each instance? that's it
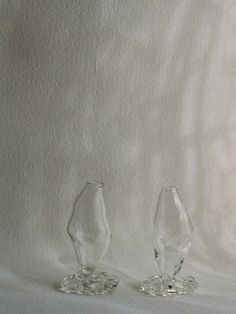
(96, 183)
(170, 188)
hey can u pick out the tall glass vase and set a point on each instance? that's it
(172, 241)
(90, 235)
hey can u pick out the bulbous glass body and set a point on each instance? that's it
(172, 241)
(90, 234)
(88, 227)
(172, 232)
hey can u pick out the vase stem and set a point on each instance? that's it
(87, 269)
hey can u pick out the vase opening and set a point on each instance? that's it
(95, 183)
(169, 189)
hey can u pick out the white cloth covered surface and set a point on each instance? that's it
(139, 94)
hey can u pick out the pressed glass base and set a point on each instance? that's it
(89, 283)
(164, 285)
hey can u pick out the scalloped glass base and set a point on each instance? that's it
(166, 286)
(89, 283)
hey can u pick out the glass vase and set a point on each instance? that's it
(90, 235)
(172, 242)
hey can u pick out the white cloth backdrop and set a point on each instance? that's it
(139, 94)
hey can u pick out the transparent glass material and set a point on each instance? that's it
(90, 234)
(171, 241)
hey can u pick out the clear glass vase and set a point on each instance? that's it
(171, 241)
(90, 235)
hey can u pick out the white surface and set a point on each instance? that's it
(138, 94)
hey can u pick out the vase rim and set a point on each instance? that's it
(170, 188)
(96, 183)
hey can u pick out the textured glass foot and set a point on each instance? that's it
(89, 283)
(166, 286)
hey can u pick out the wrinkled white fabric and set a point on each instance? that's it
(139, 94)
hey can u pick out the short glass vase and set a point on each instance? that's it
(172, 242)
(90, 235)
